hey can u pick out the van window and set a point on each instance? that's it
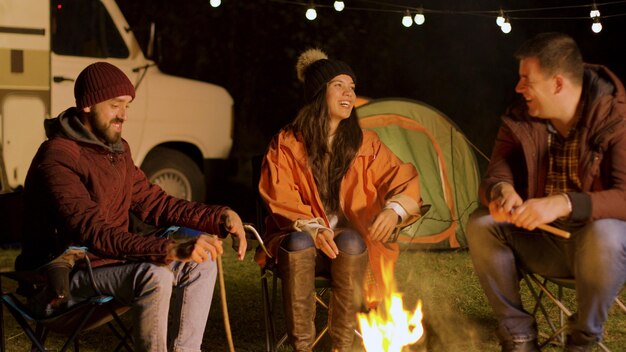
(84, 28)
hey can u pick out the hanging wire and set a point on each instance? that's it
(384, 7)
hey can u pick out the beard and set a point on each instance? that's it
(103, 129)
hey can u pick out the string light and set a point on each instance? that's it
(596, 27)
(215, 3)
(500, 18)
(407, 21)
(594, 11)
(419, 17)
(506, 26)
(503, 19)
(339, 5)
(311, 14)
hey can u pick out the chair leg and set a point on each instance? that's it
(620, 304)
(73, 339)
(124, 335)
(529, 279)
(268, 311)
(562, 318)
(38, 338)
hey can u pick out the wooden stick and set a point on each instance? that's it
(229, 335)
(555, 231)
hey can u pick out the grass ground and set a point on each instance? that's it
(456, 314)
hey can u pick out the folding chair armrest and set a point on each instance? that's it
(423, 210)
(252, 230)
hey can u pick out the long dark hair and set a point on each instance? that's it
(328, 163)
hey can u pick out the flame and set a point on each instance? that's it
(390, 327)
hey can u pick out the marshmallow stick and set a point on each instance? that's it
(555, 231)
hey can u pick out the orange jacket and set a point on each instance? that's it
(375, 178)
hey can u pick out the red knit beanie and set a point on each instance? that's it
(101, 81)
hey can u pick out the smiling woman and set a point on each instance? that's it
(341, 192)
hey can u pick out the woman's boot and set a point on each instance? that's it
(347, 273)
(297, 273)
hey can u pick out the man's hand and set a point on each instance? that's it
(325, 242)
(539, 211)
(384, 225)
(231, 223)
(503, 200)
(198, 249)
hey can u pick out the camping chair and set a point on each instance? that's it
(539, 288)
(91, 313)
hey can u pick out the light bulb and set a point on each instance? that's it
(596, 27)
(311, 14)
(215, 3)
(594, 11)
(500, 18)
(407, 21)
(339, 5)
(419, 18)
(506, 26)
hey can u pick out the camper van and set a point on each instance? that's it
(178, 129)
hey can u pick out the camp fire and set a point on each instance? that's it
(389, 327)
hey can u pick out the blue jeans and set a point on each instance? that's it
(348, 241)
(147, 288)
(595, 255)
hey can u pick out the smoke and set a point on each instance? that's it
(457, 316)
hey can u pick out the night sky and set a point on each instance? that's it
(460, 64)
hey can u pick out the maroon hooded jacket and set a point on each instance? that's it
(79, 192)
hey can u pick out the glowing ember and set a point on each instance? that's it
(389, 327)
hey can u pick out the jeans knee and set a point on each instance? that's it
(297, 241)
(190, 271)
(160, 274)
(350, 242)
(207, 271)
(601, 251)
(605, 235)
(155, 279)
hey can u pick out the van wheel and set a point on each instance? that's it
(175, 173)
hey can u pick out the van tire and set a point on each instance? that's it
(176, 173)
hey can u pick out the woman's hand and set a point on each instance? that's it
(384, 225)
(325, 242)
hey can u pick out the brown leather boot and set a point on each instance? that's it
(297, 273)
(347, 272)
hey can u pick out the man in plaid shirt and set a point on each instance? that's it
(559, 159)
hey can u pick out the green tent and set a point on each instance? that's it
(445, 161)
